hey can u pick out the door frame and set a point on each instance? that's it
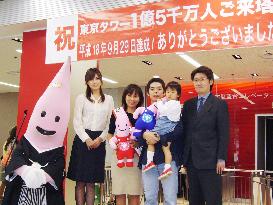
(256, 134)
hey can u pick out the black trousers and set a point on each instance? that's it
(205, 186)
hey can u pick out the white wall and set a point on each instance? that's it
(8, 115)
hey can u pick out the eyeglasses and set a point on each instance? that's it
(201, 80)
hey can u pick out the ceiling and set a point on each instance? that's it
(168, 66)
(132, 70)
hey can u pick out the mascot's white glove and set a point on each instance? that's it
(34, 176)
(112, 143)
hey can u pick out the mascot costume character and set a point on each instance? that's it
(146, 119)
(121, 141)
(36, 170)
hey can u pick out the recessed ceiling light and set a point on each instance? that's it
(147, 62)
(254, 74)
(236, 56)
(178, 78)
(17, 40)
(109, 80)
(9, 84)
(19, 50)
(156, 76)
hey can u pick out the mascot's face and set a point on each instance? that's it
(47, 132)
(122, 124)
(122, 129)
(48, 123)
(48, 120)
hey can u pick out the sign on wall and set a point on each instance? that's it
(61, 39)
(165, 27)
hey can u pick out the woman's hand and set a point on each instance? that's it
(150, 137)
(89, 143)
(97, 142)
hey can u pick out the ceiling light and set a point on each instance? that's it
(216, 77)
(267, 55)
(189, 59)
(19, 50)
(147, 62)
(17, 39)
(242, 96)
(8, 84)
(254, 74)
(178, 78)
(156, 76)
(109, 80)
(193, 62)
(236, 56)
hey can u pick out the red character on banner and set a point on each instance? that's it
(64, 38)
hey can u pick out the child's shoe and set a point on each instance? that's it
(148, 167)
(165, 173)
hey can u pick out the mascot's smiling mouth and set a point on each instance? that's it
(45, 132)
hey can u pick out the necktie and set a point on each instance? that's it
(201, 104)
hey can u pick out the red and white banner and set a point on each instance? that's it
(165, 27)
(61, 39)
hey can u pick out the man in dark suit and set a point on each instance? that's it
(206, 128)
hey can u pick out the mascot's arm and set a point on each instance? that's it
(138, 112)
(33, 175)
(36, 175)
(154, 108)
(18, 159)
(113, 142)
(54, 171)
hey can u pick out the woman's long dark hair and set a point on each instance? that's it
(131, 89)
(90, 75)
(12, 137)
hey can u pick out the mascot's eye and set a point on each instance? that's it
(57, 119)
(43, 114)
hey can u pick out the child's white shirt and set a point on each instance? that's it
(171, 109)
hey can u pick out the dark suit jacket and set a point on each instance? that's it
(206, 133)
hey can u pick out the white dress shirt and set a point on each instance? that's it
(93, 116)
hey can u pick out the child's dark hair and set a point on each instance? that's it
(175, 86)
(12, 137)
(155, 80)
(90, 75)
(131, 89)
